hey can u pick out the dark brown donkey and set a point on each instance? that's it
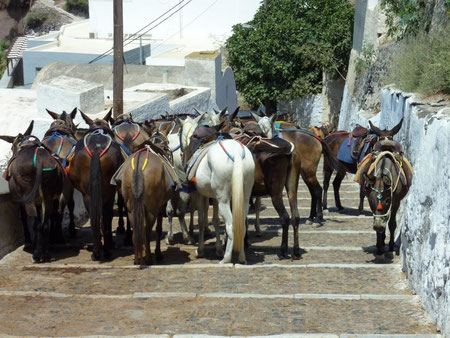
(272, 164)
(350, 149)
(385, 177)
(35, 180)
(305, 159)
(146, 188)
(60, 140)
(95, 160)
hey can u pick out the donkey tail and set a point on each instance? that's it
(237, 204)
(37, 183)
(332, 159)
(137, 188)
(95, 191)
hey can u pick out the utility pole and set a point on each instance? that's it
(118, 59)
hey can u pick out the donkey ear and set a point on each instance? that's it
(9, 139)
(255, 116)
(73, 113)
(178, 121)
(111, 121)
(54, 115)
(233, 116)
(223, 112)
(86, 118)
(108, 115)
(198, 112)
(198, 119)
(274, 118)
(29, 129)
(396, 129)
(374, 129)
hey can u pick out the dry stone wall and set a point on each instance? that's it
(425, 214)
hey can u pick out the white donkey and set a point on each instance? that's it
(225, 173)
(177, 143)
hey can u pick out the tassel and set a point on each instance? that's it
(194, 179)
(379, 207)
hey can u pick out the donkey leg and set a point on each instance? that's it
(361, 201)
(257, 212)
(316, 200)
(107, 229)
(379, 256)
(149, 222)
(170, 213)
(71, 207)
(158, 255)
(291, 188)
(225, 211)
(336, 186)
(277, 202)
(326, 183)
(120, 208)
(202, 205)
(216, 223)
(183, 205)
(392, 227)
(26, 229)
(38, 233)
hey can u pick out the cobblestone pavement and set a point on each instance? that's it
(336, 289)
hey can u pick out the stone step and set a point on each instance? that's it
(213, 314)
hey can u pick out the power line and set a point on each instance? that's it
(101, 56)
(170, 37)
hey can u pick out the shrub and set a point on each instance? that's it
(366, 58)
(78, 7)
(4, 44)
(422, 63)
(36, 18)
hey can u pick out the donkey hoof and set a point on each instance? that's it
(317, 224)
(258, 233)
(296, 254)
(326, 211)
(95, 257)
(189, 240)
(283, 254)
(389, 255)
(170, 241)
(309, 221)
(379, 258)
(219, 252)
(199, 253)
(37, 257)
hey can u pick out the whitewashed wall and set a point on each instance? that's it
(425, 213)
(217, 19)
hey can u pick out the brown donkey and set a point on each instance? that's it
(35, 180)
(145, 185)
(95, 160)
(60, 140)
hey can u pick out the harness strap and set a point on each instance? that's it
(35, 159)
(220, 139)
(97, 132)
(176, 148)
(146, 158)
(135, 135)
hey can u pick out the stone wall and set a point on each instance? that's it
(11, 230)
(424, 216)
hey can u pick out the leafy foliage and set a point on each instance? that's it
(422, 63)
(4, 45)
(282, 52)
(409, 17)
(366, 58)
(36, 18)
(79, 7)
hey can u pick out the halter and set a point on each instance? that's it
(116, 132)
(380, 193)
(97, 132)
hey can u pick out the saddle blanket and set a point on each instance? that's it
(345, 151)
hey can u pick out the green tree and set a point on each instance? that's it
(282, 52)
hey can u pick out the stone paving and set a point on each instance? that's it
(336, 289)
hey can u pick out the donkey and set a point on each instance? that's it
(146, 188)
(96, 158)
(386, 179)
(35, 180)
(60, 140)
(224, 170)
(357, 144)
(305, 159)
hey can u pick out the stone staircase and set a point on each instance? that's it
(334, 290)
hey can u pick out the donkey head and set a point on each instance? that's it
(267, 124)
(65, 117)
(98, 123)
(379, 191)
(20, 139)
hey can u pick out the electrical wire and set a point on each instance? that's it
(101, 56)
